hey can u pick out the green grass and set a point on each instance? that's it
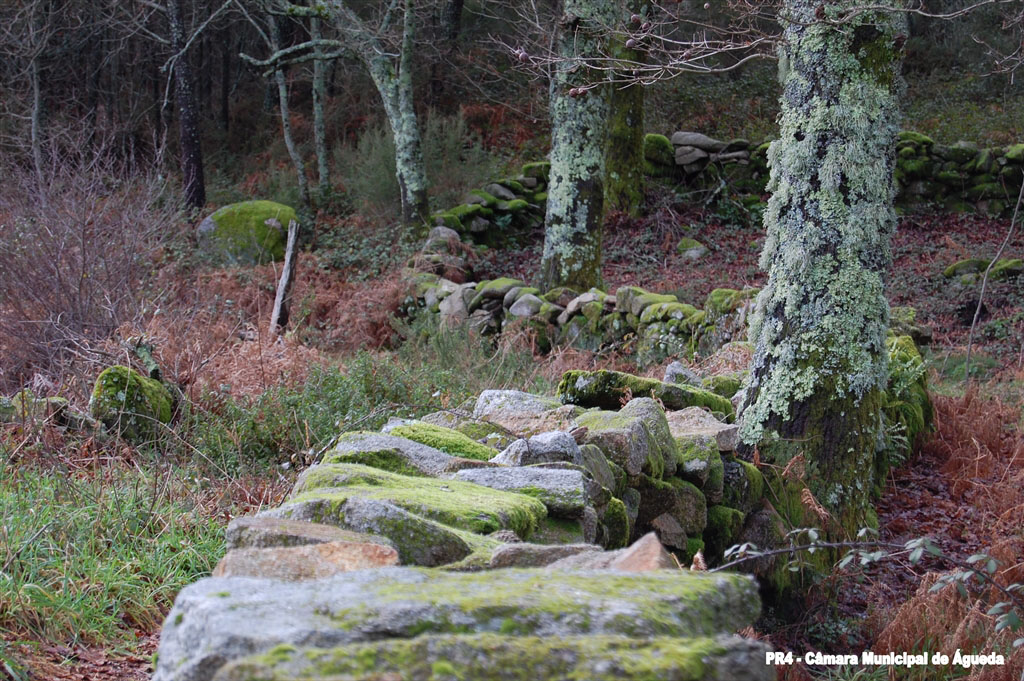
(93, 557)
(431, 370)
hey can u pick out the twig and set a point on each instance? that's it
(984, 283)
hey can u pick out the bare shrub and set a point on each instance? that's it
(75, 258)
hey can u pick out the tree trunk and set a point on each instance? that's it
(188, 119)
(624, 155)
(820, 364)
(319, 125)
(286, 125)
(225, 79)
(579, 115)
(396, 91)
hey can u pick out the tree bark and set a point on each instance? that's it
(820, 364)
(286, 125)
(188, 118)
(396, 91)
(319, 124)
(579, 115)
(624, 154)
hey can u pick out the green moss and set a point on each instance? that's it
(538, 169)
(616, 522)
(916, 137)
(131, 404)
(241, 235)
(558, 531)
(1006, 268)
(495, 657)
(1015, 153)
(966, 266)
(693, 546)
(725, 385)
(687, 243)
(606, 389)
(386, 459)
(445, 439)
(658, 150)
(451, 502)
(725, 300)
(723, 530)
(659, 312)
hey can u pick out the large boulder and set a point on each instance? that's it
(636, 438)
(246, 233)
(130, 404)
(219, 620)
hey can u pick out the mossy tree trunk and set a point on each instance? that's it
(820, 363)
(580, 106)
(624, 153)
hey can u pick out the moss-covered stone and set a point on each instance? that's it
(917, 138)
(1006, 268)
(130, 404)
(617, 528)
(660, 312)
(633, 299)
(744, 484)
(246, 233)
(538, 169)
(658, 150)
(723, 530)
(966, 266)
(458, 504)
(1015, 153)
(607, 390)
(446, 440)
(496, 657)
(636, 438)
(725, 385)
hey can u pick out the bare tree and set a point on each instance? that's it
(386, 48)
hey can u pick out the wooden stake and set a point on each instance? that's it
(279, 317)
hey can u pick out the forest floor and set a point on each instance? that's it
(957, 490)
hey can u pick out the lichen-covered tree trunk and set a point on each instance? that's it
(579, 124)
(820, 322)
(624, 153)
(319, 126)
(396, 90)
(286, 125)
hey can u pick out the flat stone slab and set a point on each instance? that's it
(397, 454)
(563, 492)
(695, 422)
(221, 619)
(312, 561)
(458, 504)
(523, 555)
(260, 532)
(419, 541)
(491, 657)
(524, 414)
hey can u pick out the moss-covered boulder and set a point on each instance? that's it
(429, 624)
(636, 438)
(462, 505)
(675, 497)
(725, 318)
(130, 404)
(608, 390)
(633, 299)
(246, 233)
